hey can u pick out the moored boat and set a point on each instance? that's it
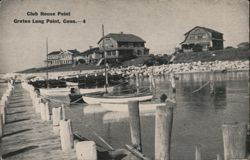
(102, 98)
(93, 90)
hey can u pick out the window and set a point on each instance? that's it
(204, 36)
(192, 36)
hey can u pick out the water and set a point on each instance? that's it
(197, 118)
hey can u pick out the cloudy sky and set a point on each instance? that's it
(160, 23)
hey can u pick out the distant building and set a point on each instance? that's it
(243, 45)
(122, 46)
(202, 38)
(62, 57)
(92, 55)
(54, 58)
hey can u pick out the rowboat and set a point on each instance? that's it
(102, 98)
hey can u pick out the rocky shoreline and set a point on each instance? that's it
(130, 71)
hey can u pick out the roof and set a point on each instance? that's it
(54, 53)
(121, 37)
(207, 29)
(90, 51)
(74, 51)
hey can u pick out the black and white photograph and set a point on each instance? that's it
(124, 80)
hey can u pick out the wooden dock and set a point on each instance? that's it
(26, 136)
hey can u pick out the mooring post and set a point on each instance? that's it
(66, 135)
(163, 130)
(56, 117)
(47, 114)
(63, 112)
(1, 126)
(43, 111)
(137, 83)
(234, 139)
(86, 150)
(198, 152)
(135, 126)
(173, 85)
(3, 112)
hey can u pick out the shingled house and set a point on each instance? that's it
(122, 46)
(201, 38)
(92, 55)
(61, 57)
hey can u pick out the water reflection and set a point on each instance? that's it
(197, 118)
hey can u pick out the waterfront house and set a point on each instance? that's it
(123, 46)
(202, 39)
(62, 57)
(54, 58)
(92, 55)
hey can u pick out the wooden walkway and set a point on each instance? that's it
(26, 137)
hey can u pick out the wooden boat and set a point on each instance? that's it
(93, 90)
(102, 98)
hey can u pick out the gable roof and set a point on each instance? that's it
(90, 51)
(121, 37)
(74, 51)
(54, 53)
(207, 29)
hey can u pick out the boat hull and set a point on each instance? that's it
(115, 99)
(93, 90)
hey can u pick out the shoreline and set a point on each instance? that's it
(130, 71)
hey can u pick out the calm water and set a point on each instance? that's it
(197, 118)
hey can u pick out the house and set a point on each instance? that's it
(92, 55)
(122, 46)
(202, 39)
(54, 58)
(243, 45)
(62, 57)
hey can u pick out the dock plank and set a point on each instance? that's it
(26, 136)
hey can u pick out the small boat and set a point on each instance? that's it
(102, 98)
(93, 90)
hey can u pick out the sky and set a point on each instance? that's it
(161, 23)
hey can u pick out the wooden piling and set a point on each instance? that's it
(43, 111)
(47, 114)
(3, 112)
(198, 152)
(135, 126)
(172, 81)
(86, 150)
(63, 112)
(1, 126)
(56, 117)
(234, 139)
(66, 135)
(163, 130)
(137, 83)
